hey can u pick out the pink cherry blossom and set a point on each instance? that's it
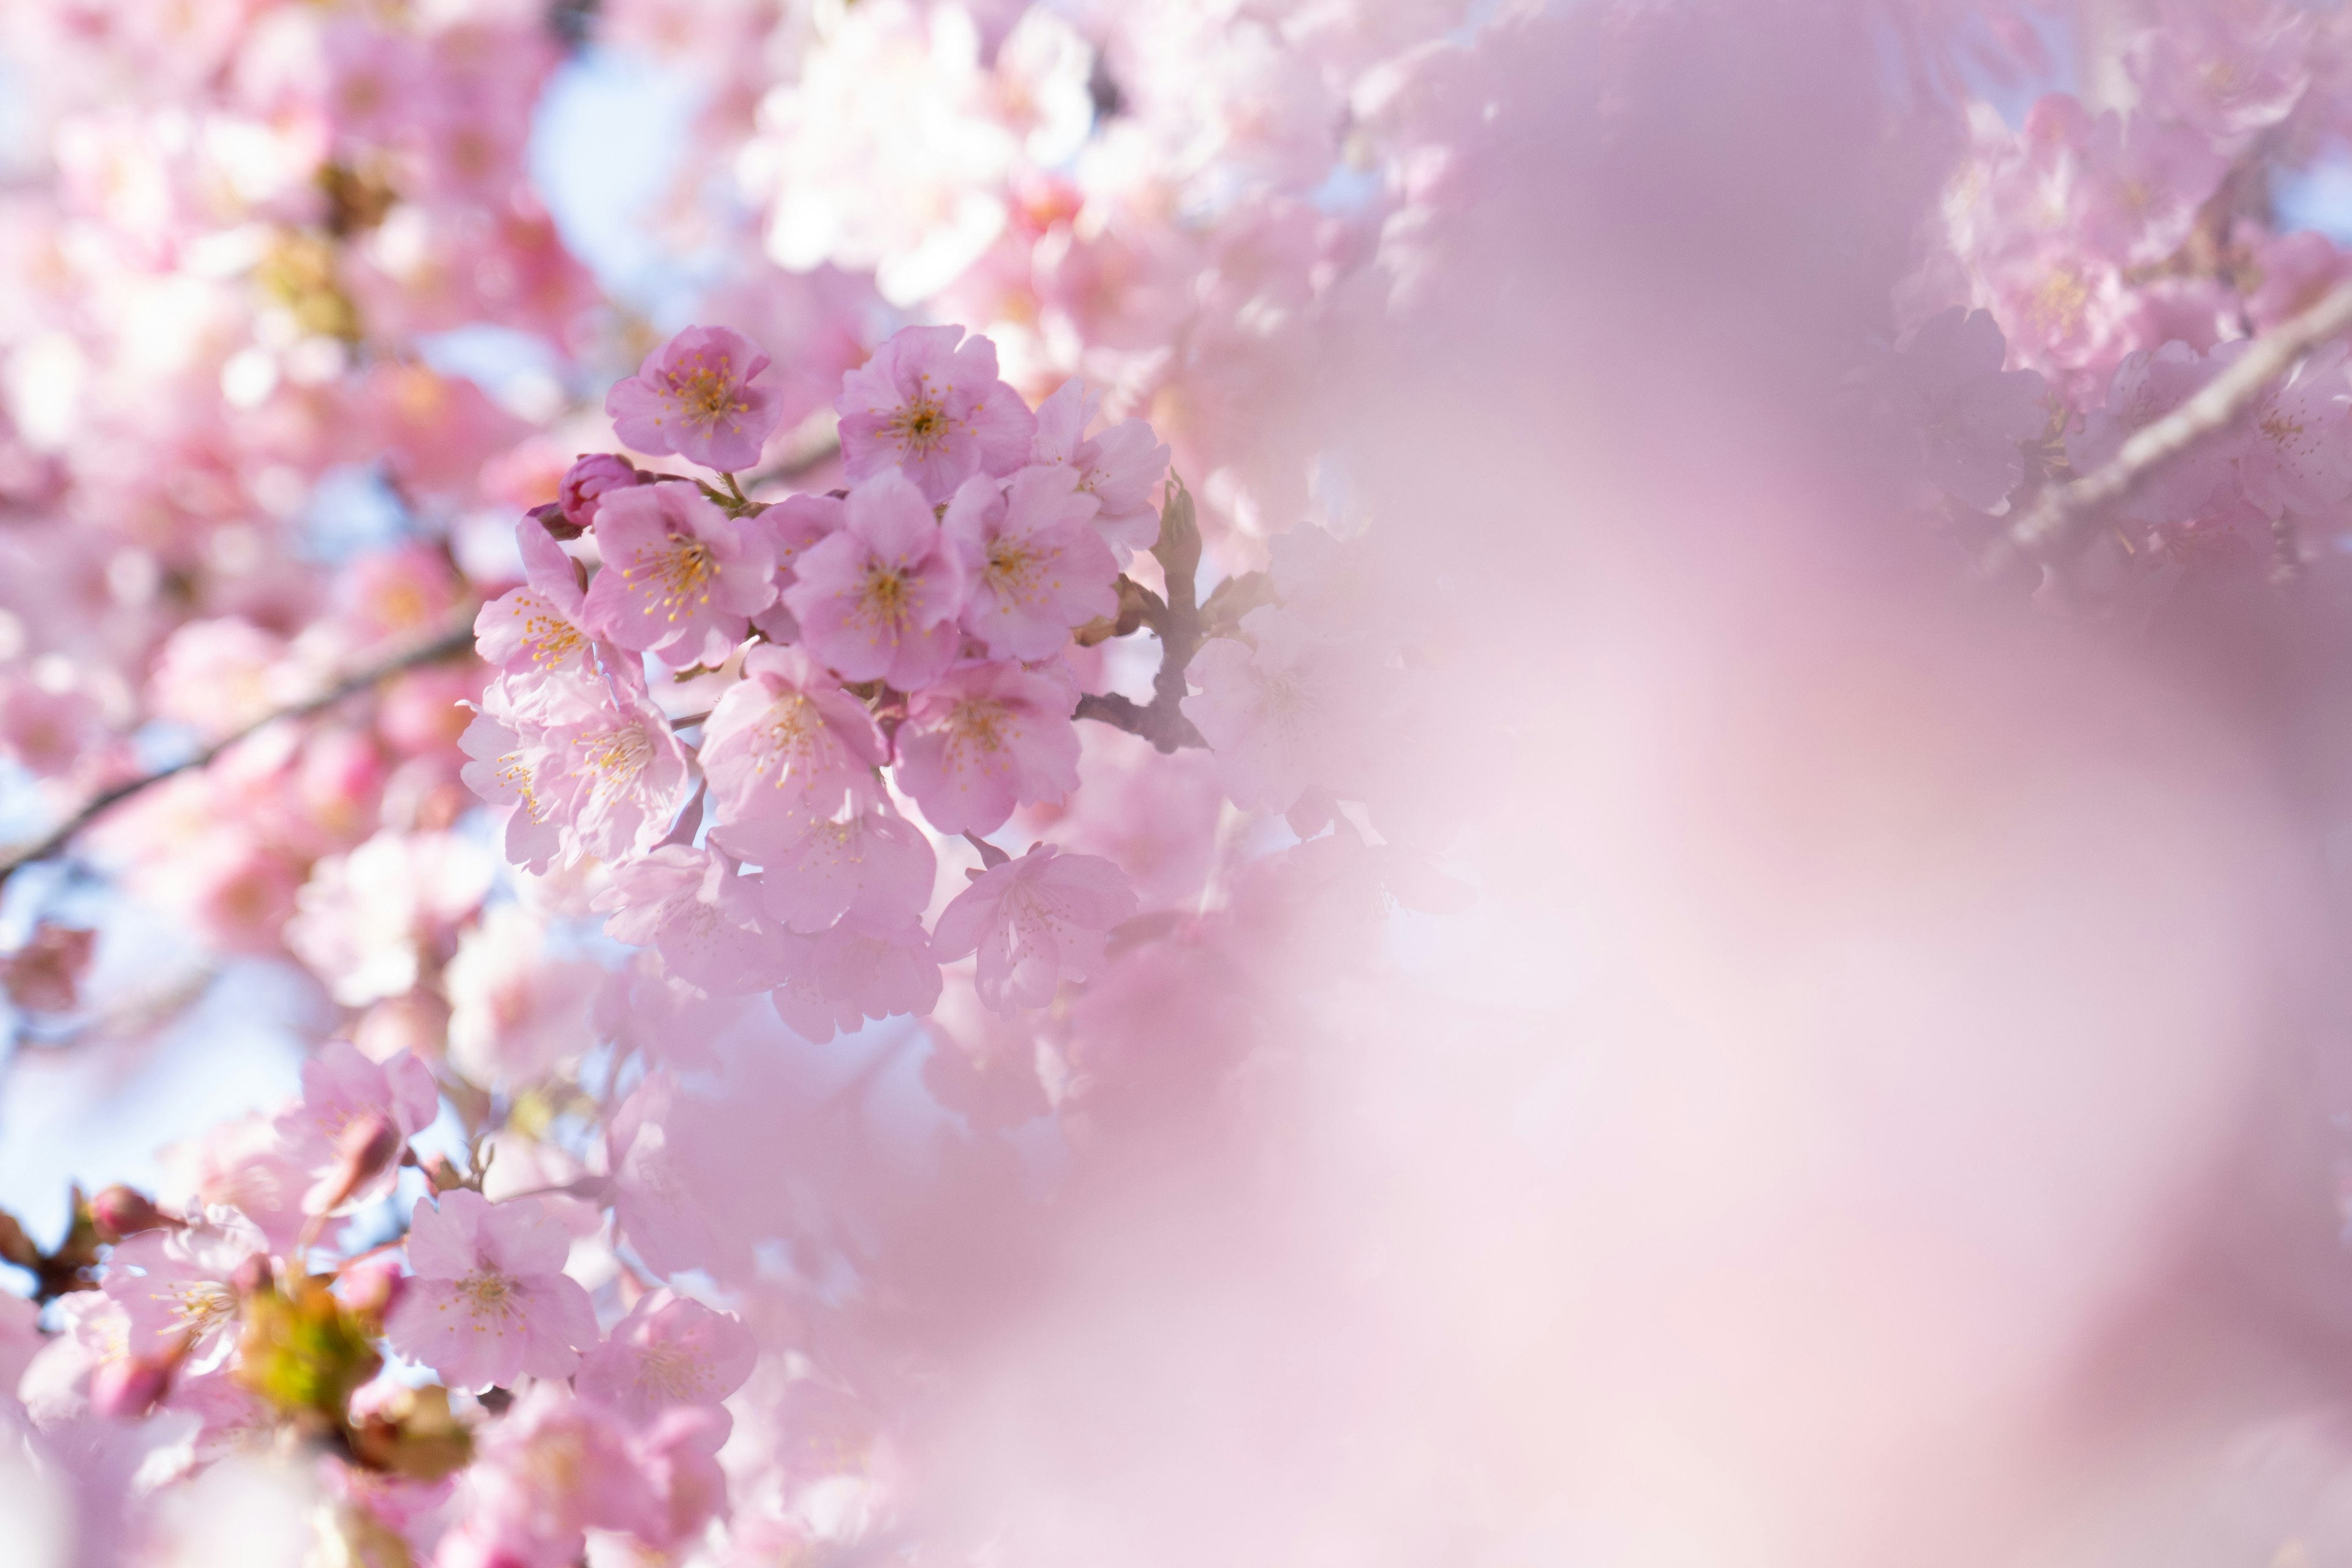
(1280, 716)
(876, 863)
(680, 1456)
(2145, 388)
(178, 1285)
(1117, 467)
(985, 738)
(703, 395)
(341, 1087)
(589, 768)
(540, 628)
(786, 748)
(1032, 567)
(489, 1300)
(553, 1468)
(2295, 451)
(655, 1207)
(681, 578)
(859, 969)
(518, 1007)
(877, 600)
(706, 921)
(668, 1350)
(1035, 922)
(1966, 418)
(933, 411)
(364, 917)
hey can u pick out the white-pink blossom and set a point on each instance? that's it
(1032, 567)
(489, 1300)
(985, 738)
(1035, 922)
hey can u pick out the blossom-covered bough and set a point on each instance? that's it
(777, 823)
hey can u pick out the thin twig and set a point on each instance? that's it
(1178, 621)
(455, 638)
(2054, 518)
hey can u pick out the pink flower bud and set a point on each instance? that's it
(120, 1211)
(366, 1149)
(588, 481)
(130, 1386)
(371, 1286)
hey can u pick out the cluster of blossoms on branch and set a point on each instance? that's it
(902, 639)
(868, 796)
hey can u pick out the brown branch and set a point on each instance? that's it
(2058, 515)
(456, 637)
(1161, 721)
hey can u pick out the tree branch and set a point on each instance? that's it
(456, 637)
(1177, 622)
(2058, 514)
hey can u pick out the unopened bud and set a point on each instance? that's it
(588, 481)
(120, 1211)
(251, 1277)
(130, 1386)
(551, 517)
(366, 1149)
(369, 1288)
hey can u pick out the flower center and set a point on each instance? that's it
(708, 396)
(672, 1371)
(886, 596)
(490, 1293)
(198, 1306)
(920, 424)
(978, 724)
(617, 755)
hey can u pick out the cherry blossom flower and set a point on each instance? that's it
(859, 969)
(785, 748)
(553, 1467)
(517, 1009)
(1117, 467)
(1280, 716)
(878, 599)
(876, 863)
(1033, 568)
(654, 1206)
(706, 921)
(2297, 449)
(541, 627)
(679, 1456)
(364, 917)
(1035, 922)
(985, 738)
(703, 395)
(668, 1350)
(177, 1287)
(593, 770)
(1967, 417)
(489, 1300)
(2147, 385)
(681, 578)
(341, 1087)
(934, 411)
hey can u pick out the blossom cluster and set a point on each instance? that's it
(902, 638)
(870, 801)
